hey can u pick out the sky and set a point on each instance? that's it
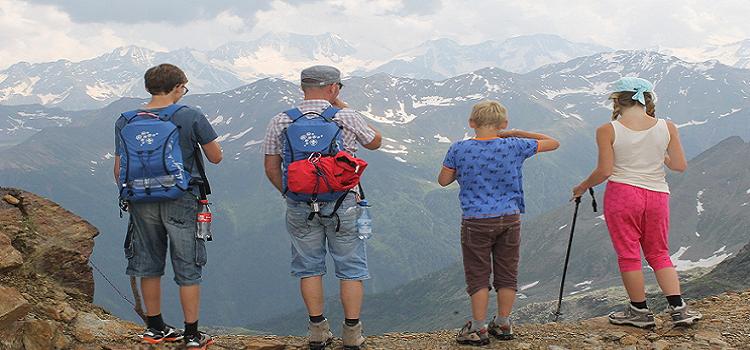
(47, 30)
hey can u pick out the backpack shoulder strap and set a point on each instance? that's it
(294, 114)
(169, 111)
(129, 115)
(329, 113)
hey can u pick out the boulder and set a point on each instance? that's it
(13, 306)
(9, 257)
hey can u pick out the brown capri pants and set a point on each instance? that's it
(491, 247)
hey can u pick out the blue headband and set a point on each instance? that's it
(633, 84)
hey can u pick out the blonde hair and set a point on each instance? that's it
(488, 113)
(624, 99)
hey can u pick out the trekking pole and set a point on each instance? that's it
(567, 253)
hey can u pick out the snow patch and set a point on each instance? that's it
(530, 285)
(699, 205)
(433, 101)
(252, 142)
(562, 227)
(442, 139)
(691, 123)
(217, 120)
(108, 156)
(685, 265)
(402, 160)
(238, 136)
(223, 138)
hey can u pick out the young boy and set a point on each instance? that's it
(155, 226)
(488, 170)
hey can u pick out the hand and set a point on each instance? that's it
(578, 191)
(338, 103)
(506, 133)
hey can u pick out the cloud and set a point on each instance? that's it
(45, 30)
(139, 11)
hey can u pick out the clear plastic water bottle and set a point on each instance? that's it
(364, 221)
(204, 221)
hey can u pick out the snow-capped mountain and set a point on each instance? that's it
(283, 55)
(735, 54)
(443, 58)
(96, 82)
(99, 81)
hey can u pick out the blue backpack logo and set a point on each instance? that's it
(151, 166)
(311, 134)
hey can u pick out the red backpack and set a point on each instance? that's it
(325, 174)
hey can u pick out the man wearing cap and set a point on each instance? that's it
(321, 86)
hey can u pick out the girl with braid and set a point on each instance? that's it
(633, 150)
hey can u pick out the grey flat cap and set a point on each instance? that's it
(320, 76)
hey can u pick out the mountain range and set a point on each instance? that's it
(101, 80)
(416, 221)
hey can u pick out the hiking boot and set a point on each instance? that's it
(352, 337)
(168, 334)
(633, 316)
(500, 331)
(199, 341)
(466, 336)
(319, 335)
(681, 316)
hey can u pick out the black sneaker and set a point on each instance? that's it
(199, 341)
(168, 334)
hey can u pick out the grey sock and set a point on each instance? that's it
(500, 320)
(477, 325)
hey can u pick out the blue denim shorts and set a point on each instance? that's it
(155, 226)
(310, 238)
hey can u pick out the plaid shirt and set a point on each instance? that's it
(356, 130)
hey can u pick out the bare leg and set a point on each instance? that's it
(668, 281)
(634, 285)
(479, 303)
(352, 293)
(505, 299)
(151, 290)
(312, 293)
(190, 297)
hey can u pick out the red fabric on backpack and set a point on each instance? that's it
(325, 174)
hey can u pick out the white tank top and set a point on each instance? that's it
(639, 156)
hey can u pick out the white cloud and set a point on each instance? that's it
(379, 28)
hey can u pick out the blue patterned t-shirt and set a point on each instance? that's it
(489, 174)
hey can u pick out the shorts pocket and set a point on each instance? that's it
(128, 246)
(200, 252)
(297, 223)
(347, 220)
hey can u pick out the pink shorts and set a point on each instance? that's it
(637, 219)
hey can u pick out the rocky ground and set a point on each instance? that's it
(46, 289)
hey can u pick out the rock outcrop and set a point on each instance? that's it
(46, 289)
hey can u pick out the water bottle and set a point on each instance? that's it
(204, 221)
(364, 221)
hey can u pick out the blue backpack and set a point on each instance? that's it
(151, 165)
(306, 137)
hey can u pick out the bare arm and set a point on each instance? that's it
(272, 165)
(446, 176)
(675, 159)
(116, 169)
(376, 142)
(546, 143)
(213, 152)
(604, 139)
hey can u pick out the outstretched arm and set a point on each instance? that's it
(604, 139)
(546, 143)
